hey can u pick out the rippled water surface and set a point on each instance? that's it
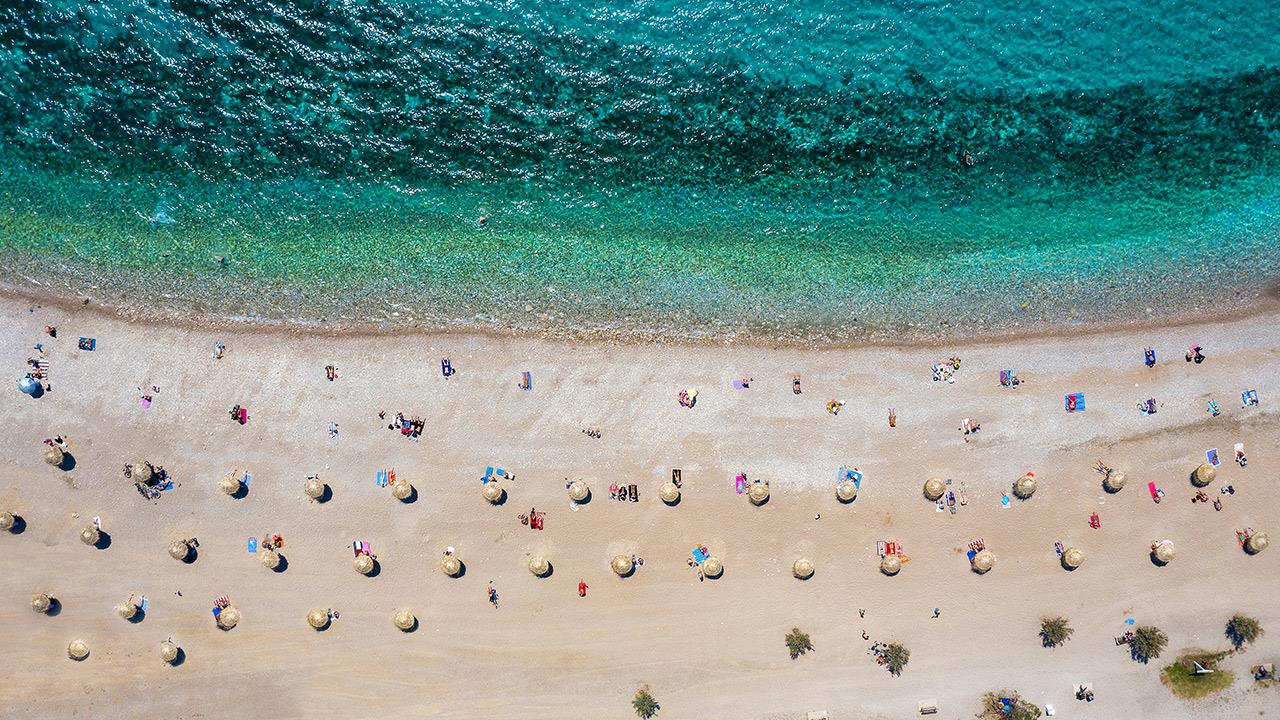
(809, 169)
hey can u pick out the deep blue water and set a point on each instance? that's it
(810, 168)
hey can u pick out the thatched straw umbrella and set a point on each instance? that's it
(90, 535)
(1072, 558)
(41, 602)
(168, 651)
(53, 455)
(1165, 552)
(229, 485)
(622, 565)
(802, 568)
(539, 566)
(846, 491)
(269, 558)
(179, 550)
(404, 619)
(127, 609)
(890, 564)
(314, 488)
(402, 489)
(934, 487)
(1256, 543)
(669, 493)
(141, 472)
(317, 618)
(493, 492)
(363, 564)
(78, 650)
(712, 567)
(228, 618)
(758, 493)
(983, 561)
(1025, 487)
(450, 565)
(1203, 475)
(7, 521)
(578, 491)
(1114, 481)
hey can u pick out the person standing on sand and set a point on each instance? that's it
(582, 588)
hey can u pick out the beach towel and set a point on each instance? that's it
(1212, 456)
(88, 344)
(446, 367)
(216, 612)
(143, 605)
(740, 483)
(1249, 397)
(699, 556)
(247, 477)
(1004, 501)
(253, 544)
(1151, 488)
(244, 415)
(1239, 448)
(526, 381)
(381, 478)
(1075, 402)
(737, 385)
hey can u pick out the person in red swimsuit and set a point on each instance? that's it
(582, 588)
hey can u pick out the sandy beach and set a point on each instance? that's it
(710, 649)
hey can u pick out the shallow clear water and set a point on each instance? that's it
(789, 169)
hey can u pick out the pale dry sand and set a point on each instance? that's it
(708, 650)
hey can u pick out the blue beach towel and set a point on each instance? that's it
(488, 472)
(216, 612)
(253, 544)
(381, 479)
(698, 555)
(970, 555)
(1249, 397)
(1079, 400)
(247, 477)
(144, 604)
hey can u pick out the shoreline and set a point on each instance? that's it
(1266, 304)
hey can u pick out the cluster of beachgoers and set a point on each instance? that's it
(736, 510)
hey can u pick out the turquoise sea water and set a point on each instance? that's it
(803, 169)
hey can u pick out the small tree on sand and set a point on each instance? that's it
(1007, 705)
(798, 643)
(1148, 642)
(1054, 631)
(895, 658)
(644, 703)
(1243, 629)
